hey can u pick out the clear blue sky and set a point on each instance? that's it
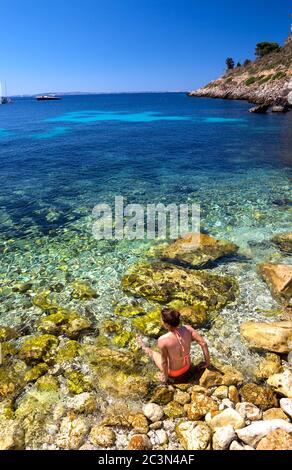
(130, 45)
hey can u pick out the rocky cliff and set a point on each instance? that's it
(266, 81)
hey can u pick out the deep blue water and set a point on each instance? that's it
(69, 155)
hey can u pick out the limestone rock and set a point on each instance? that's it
(248, 411)
(253, 433)
(139, 442)
(7, 333)
(283, 241)
(197, 249)
(275, 337)
(162, 395)
(194, 436)
(83, 403)
(139, 423)
(236, 446)
(158, 437)
(38, 348)
(163, 283)
(276, 440)
(72, 433)
(221, 392)
(11, 435)
(201, 404)
(174, 410)
(282, 383)
(223, 437)
(210, 378)
(279, 279)
(183, 398)
(233, 394)
(102, 436)
(261, 396)
(227, 417)
(275, 413)
(270, 365)
(153, 412)
(83, 291)
(286, 406)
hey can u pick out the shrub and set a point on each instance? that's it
(250, 81)
(279, 75)
(264, 48)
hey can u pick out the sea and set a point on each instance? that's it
(60, 159)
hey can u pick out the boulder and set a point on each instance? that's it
(153, 412)
(139, 423)
(210, 378)
(197, 249)
(174, 410)
(162, 395)
(275, 337)
(248, 411)
(276, 440)
(73, 431)
(38, 348)
(7, 333)
(201, 404)
(158, 437)
(83, 403)
(164, 283)
(283, 241)
(270, 365)
(253, 433)
(139, 442)
(194, 436)
(223, 437)
(102, 436)
(260, 109)
(282, 383)
(183, 398)
(11, 435)
(83, 291)
(280, 109)
(228, 417)
(261, 396)
(286, 406)
(279, 279)
(275, 413)
(64, 322)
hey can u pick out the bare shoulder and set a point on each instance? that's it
(190, 328)
(163, 340)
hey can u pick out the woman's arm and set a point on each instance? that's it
(200, 340)
(164, 361)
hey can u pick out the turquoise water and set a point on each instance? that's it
(59, 159)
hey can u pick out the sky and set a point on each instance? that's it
(130, 45)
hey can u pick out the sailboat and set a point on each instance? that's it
(3, 97)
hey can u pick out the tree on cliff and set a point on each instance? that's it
(230, 63)
(264, 48)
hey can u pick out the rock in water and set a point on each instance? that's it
(275, 337)
(259, 395)
(283, 241)
(163, 283)
(197, 249)
(261, 109)
(279, 279)
(102, 436)
(255, 432)
(279, 109)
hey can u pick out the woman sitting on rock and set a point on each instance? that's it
(174, 360)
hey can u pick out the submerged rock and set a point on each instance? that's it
(279, 279)
(35, 372)
(271, 364)
(38, 348)
(123, 385)
(83, 291)
(197, 249)
(283, 241)
(7, 334)
(64, 322)
(162, 396)
(276, 337)
(163, 283)
(174, 410)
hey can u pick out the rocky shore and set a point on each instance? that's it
(67, 382)
(266, 81)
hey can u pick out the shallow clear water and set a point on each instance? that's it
(59, 159)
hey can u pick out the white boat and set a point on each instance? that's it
(3, 96)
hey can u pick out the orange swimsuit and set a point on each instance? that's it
(186, 358)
